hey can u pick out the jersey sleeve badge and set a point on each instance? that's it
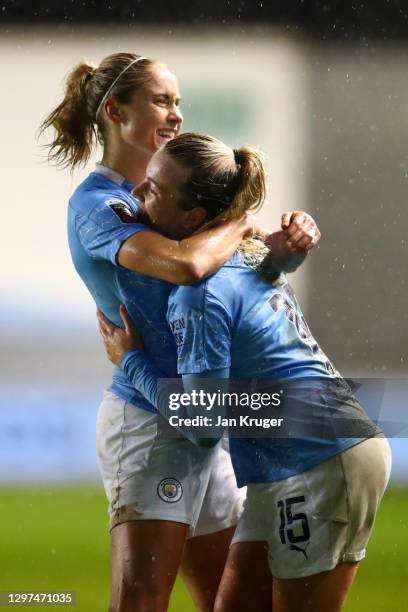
(122, 209)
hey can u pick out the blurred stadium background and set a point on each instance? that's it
(322, 89)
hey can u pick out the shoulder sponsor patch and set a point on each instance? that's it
(122, 209)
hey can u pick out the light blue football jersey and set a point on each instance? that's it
(101, 217)
(236, 320)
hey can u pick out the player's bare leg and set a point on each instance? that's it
(145, 557)
(246, 582)
(324, 592)
(203, 565)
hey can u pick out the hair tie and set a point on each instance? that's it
(90, 73)
(237, 156)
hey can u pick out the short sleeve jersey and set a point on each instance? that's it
(236, 320)
(101, 217)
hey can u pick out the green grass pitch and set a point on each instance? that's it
(56, 540)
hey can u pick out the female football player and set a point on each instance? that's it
(312, 494)
(160, 492)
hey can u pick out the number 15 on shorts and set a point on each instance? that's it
(294, 526)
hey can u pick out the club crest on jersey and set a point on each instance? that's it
(170, 490)
(122, 209)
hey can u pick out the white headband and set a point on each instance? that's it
(98, 110)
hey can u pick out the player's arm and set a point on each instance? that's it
(106, 233)
(109, 232)
(186, 261)
(124, 348)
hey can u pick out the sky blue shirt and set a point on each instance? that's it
(235, 324)
(100, 219)
(236, 320)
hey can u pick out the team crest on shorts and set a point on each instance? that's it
(170, 490)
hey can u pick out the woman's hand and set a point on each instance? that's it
(302, 233)
(290, 245)
(299, 234)
(118, 341)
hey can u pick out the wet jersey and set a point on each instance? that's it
(101, 217)
(235, 320)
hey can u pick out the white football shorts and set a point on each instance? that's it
(149, 476)
(315, 520)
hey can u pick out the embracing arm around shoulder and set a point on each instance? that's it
(186, 261)
(105, 233)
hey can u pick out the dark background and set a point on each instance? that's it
(325, 19)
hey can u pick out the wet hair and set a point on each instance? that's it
(78, 120)
(226, 182)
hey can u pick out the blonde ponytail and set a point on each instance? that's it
(251, 190)
(75, 133)
(226, 182)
